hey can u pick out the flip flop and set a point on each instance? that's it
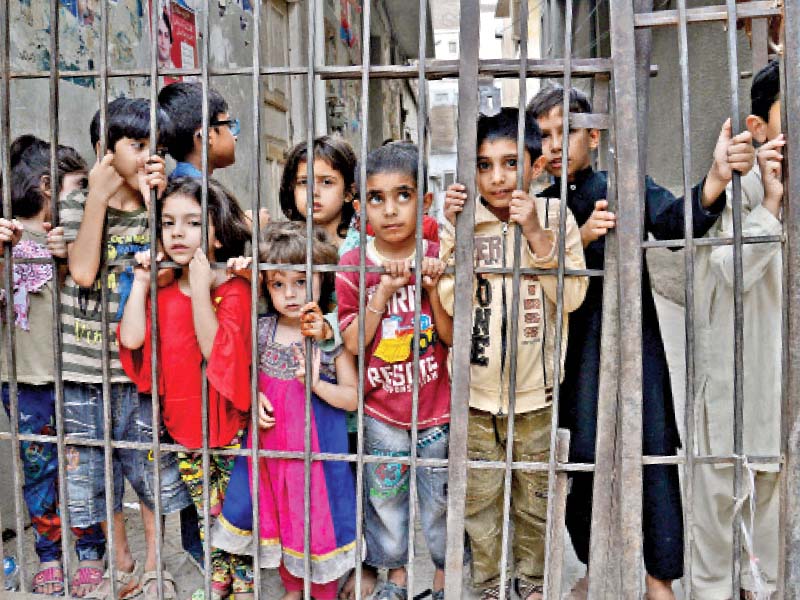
(49, 576)
(85, 576)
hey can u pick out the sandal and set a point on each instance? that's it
(524, 589)
(129, 585)
(493, 592)
(49, 576)
(150, 586)
(390, 591)
(92, 576)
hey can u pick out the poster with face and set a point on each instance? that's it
(176, 37)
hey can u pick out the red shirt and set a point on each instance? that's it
(390, 359)
(179, 359)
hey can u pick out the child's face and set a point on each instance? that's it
(497, 171)
(181, 229)
(287, 290)
(71, 182)
(129, 157)
(392, 207)
(329, 192)
(581, 144)
(221, 144)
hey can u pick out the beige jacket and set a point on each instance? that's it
(762, 300)
(491, 332)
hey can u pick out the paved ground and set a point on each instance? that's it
(188, 578)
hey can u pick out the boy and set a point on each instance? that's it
(662, 518)
(119, 189)
(762, 193)
(389, 324)
(183, 104)
(500, 204)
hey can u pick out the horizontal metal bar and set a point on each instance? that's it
(752, 10)
(717, 241)
(588, 120)
(710, 460)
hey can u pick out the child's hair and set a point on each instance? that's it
(183, 104)
(231, 226)
(126, 117)
(765, 90)
(284, 243)
(503, 126)
(394, 157)
(335, 151)
(30, 162)
(553, 96)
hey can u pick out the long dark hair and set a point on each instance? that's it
(335, 151)
(231, 226)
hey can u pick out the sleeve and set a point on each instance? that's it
(447, 281)
(136, 363)
(755, 257)
(430, 229)
(70, 214)
(574, 286)
(664, 212)
(228, 367)
(331, 345)
(346, 294)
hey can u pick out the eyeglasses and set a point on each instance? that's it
(234, 125)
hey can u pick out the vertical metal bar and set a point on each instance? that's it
(419, 256)
(789, 575)
(154, 354)
(738, 314)
(689, 256)
(630, 295)
(58, 381)
(8, 288)
(554, 549)
(362, 285)
(204, 416)
(312, 58)
(515, 298)
(108, 460)
(759, 44)
(254, 288)
(644, 47)
(555, 527)
(462, 315)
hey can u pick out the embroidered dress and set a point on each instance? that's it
(281, 480)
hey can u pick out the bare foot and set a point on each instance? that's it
(369, 578)
(292, 596)
(82, 584)
(54, 588)
(580, 590)
(659, 589)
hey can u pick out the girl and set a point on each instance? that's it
(281, 376)
(203, 314)
(33, 237)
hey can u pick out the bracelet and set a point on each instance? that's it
(375, 310)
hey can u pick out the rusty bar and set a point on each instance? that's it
(106, 363)
(254, 289)
(8, 288)
(753, 239)
(629, 185)
(362, 289)
(789, 575)
(759, 44)
(738, 311)
(689, 257)
(154, 370)
(663, 18)
(462, 315)
(558, 499)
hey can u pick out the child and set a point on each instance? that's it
(762, 299)
(662, 518)
(499, 205)
(282, 418)
(389, 321)
(34, 237)
(119, 187)
(182, 102)
(205, 313)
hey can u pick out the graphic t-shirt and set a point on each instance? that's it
(180, 357)
(390, 358)
(81, 308)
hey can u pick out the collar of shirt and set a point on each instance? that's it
(185, 169)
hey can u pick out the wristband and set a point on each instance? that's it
(375, 310)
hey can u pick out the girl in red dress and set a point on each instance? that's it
(203, 314)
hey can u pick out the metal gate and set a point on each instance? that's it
(616, 543)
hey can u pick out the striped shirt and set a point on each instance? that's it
(81, 317)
